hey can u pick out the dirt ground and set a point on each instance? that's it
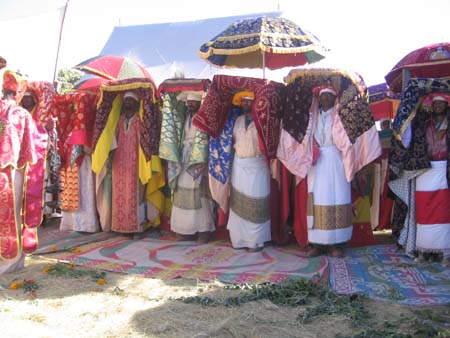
(131, 306)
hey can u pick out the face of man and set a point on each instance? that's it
(28, 102)
(246, 106)
(130, 106)
(326, 100)
(439, 110)
(385, 124)
(192, 106)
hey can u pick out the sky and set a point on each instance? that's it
(368, 37)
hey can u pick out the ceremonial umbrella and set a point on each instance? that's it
(262, 42)
(89, 83)
(383, 103)
(113, 67)
(431, 61)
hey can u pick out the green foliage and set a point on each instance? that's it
(69, 271)
(67, 79)
(292, 292)
(319, 300)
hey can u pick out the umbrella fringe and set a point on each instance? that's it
(254, 48)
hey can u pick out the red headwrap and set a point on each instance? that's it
(428, 100)
(14, 82)
(316, 90)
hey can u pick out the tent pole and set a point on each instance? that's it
(59, 45)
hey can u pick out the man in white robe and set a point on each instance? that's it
(249, 222)
(329, 214)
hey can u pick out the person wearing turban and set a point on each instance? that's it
(192, 215)
(125, 143)
(249, 222)
(23, 146)
(430, 127)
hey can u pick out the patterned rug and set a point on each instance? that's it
(51, 239)
(383, 273)
(217, 260)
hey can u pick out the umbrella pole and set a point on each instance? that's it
(264, 63)
(406, 75)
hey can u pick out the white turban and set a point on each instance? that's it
(327, 90)
(190, 96)
(131, 94)
(439, 98)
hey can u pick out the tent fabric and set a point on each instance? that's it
(173, 46)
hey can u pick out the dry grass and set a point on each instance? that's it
(131, 306)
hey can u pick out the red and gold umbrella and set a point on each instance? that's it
(113, 67)
(431, 61)
(89, 84)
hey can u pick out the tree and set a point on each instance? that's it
(67, 79)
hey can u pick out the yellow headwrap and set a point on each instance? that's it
(237, 98)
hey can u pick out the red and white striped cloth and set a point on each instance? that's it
(433, 210)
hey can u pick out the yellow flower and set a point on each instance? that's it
(53, 248)
(15, 285)
(47, 269)
(77, 250)
(72, 266)
(101, 281)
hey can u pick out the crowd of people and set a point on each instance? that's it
(130, 156)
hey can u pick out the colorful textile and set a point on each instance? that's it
(432, 61)
(192, 209)
(84, 218)
(243, 43)
(329, 210)
(249, 221)
(413, 114)
(43, 93)
(213, 261)
(125, 180)
(354, 131)
(268, 107)
(15, 82)
(384, 273)
(151, 173)
(23, 145)
(221, 150)
(150, 127)
(70, 188)
(432, 210)
(216, 117)
(76, 117)
(172, 136)
(53, 239)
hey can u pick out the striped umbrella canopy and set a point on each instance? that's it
(113, 67)
(262, 42)
(89, 83)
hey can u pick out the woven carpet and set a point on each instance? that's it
(51, 239)
(217, 260)
(383, 273)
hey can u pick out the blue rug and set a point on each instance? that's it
(383, 273)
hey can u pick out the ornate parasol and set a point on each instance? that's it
(431, 61)
(263, 42)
